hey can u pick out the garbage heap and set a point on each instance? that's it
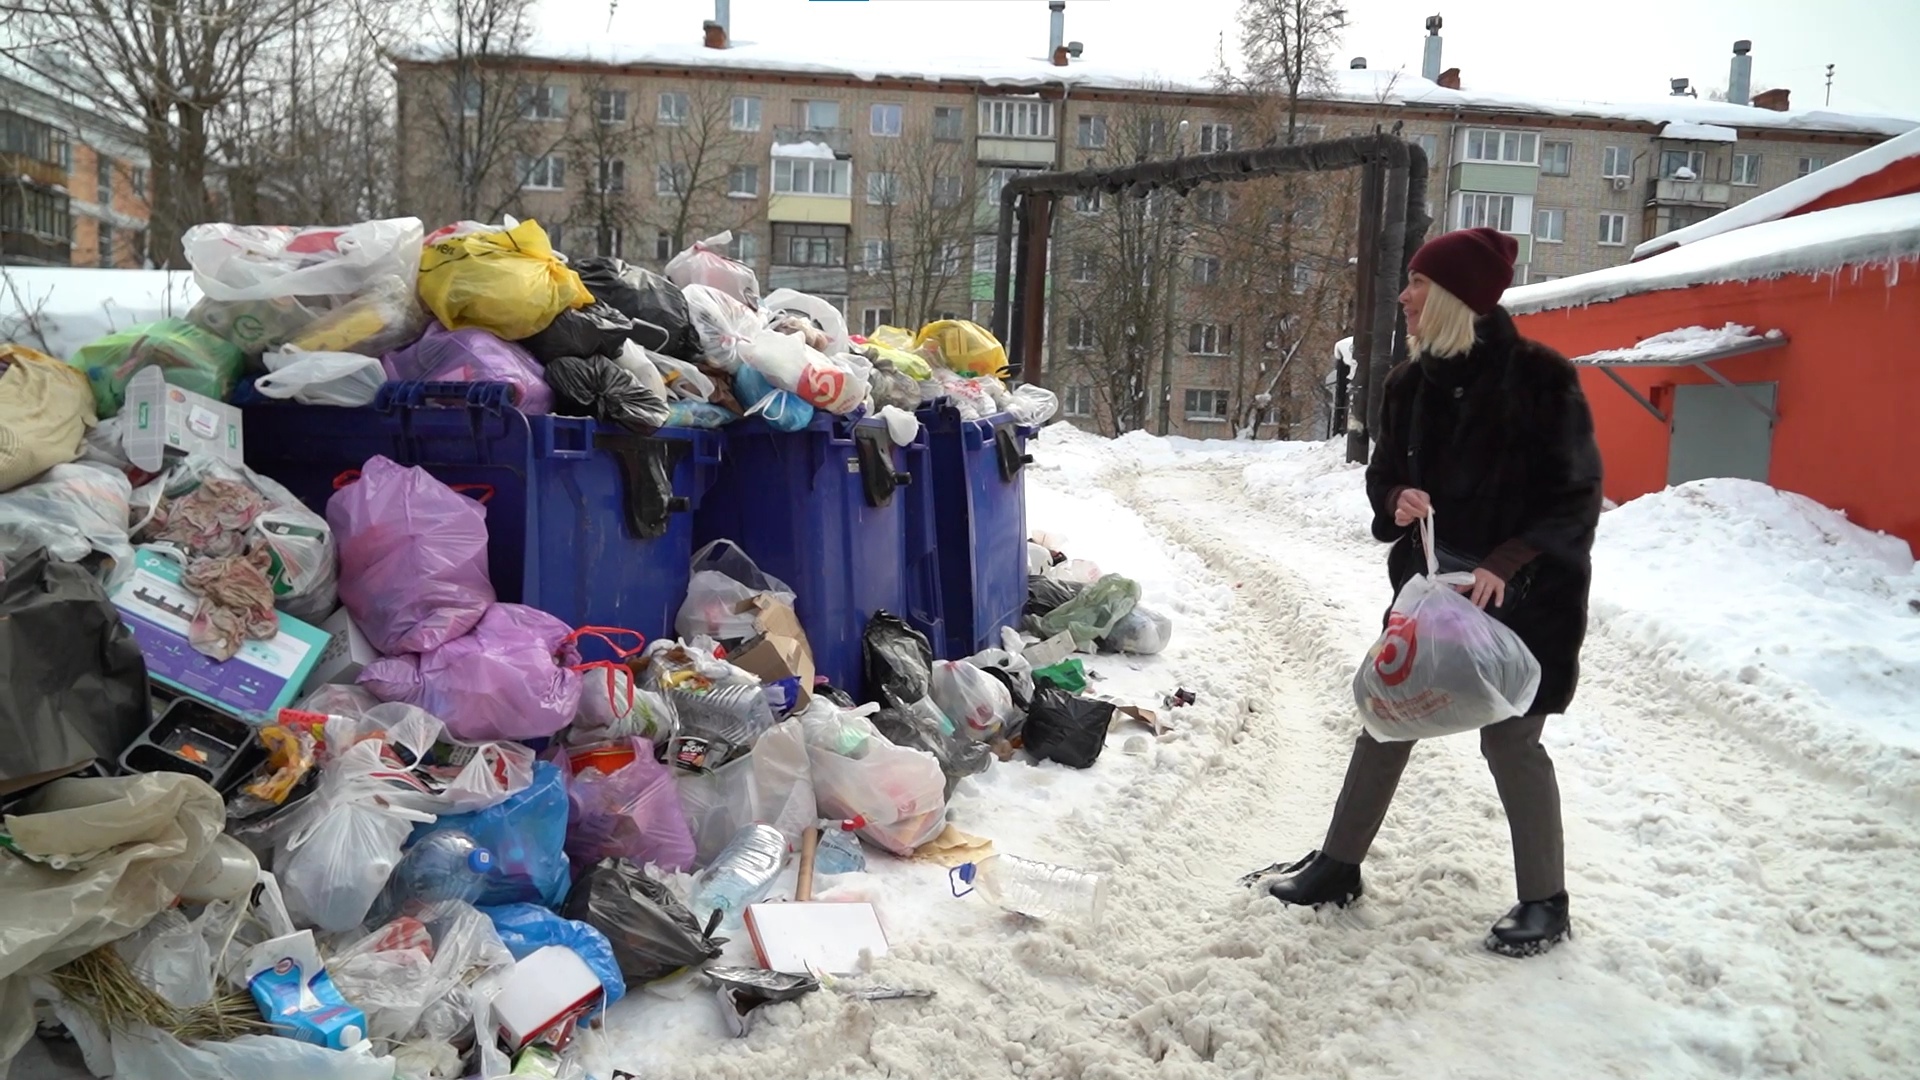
(293, 790)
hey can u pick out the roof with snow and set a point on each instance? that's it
(1787, 200)
(1883, 232)
(1674, 129)
(1687, 345)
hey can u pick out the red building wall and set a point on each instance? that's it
(1849, 384)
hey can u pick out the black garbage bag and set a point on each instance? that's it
(73, 684)
(1067, 729)
(1045, 593)
(656, 305)
(596, 386)
(595, 330)
(653, 934)
(899, 661)
(958, 755)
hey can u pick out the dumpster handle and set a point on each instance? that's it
(648, 491)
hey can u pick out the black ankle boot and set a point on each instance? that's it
(1532, 927)
(1315, 880)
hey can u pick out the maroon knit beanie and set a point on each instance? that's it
(1475, 265)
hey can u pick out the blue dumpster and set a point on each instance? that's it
(587, 521)
(980, 516)
(840, 514)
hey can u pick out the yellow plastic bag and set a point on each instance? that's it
(506, 282)
(46, 408)
(964, 347)
(893, 337)
(911, 364)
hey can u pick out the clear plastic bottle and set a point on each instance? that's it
(446, 865)
(742, 873)
(1035, 889)
(839, 850)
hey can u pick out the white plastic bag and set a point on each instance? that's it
(726, 326)
(703, 264)
(773, 784)
(1140, 632)
(1032, 405)
(1442, 666)
(901, 792)
(724, 577)
(332, 869)
(72, 511)
(684, 380)
(640, 363)
(976, 701)
(321, 378)
(151, 1054)
(782, 358)
(902, 426)
(838, 384)
(824, 315)
(266, 262)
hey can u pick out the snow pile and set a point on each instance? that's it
(1786, 199)
(1778, 595)
(816, 150)
(1674, 129)
(1687, 344)
(58, 309)
(1884, 232)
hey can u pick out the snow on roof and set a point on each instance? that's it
(1884, 232)
(59, 309)
(1686, 345)
(818, 150)
(1787, 198)
(1674, 129)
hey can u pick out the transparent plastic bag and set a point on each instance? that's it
(386, 316)
(723, 578)
(1141, 632)
(726, 326)
(684, 381)
(343, 379)
(188, 357)
(901, 792)
(772, 784)
(262, 262)
(1033, 405)
(614, 707)
(304, 570)
(976, 701)
(824, 315)
(72, 511)
(703, 264)
(1093, 613)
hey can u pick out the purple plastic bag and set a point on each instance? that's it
(413, 557)
(472, 355)
(509, 679)
(633, 813)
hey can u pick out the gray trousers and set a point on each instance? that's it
(1522, 772)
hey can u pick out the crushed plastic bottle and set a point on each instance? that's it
(741, 874)
(446, 865)
(1035, 889)
(839, 851)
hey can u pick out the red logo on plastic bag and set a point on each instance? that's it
(822, 385)
(1393, 657)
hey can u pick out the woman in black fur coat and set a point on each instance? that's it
(1489, 432)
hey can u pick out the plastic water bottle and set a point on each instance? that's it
(839, 850)
(742, 873)
(1035, 889)
(446, 865)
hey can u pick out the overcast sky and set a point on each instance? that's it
(1620, 50)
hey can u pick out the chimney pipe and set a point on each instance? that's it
(1679, 87)
(715, 35)
(1740, 78)
(723, 14)
(1430, 64)
(1775, 100)
(1449, 78)
(1057, 27)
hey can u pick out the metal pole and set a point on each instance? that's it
(1016, 324)
(1386, 291)
(1035, 227)
(1003, 269)
(1417, 224)
(1171, 285)
(1365, 281)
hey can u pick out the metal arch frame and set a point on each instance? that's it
(1393, 223)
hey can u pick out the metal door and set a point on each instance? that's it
(1717, 432)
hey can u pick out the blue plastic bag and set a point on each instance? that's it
(527, 835)
(698, 414)
(782, 411)
(526, 928)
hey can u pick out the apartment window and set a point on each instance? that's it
(662, 247)
(1076, 400)
(985, 252)
(1616, 163)
(951, 255)
(819, 115)
(1613, 230)
(103, 178)
(62, 151)
(140, 248)
(1216, 138)
(543, 102)
(1556, 158)
(1302, 277)
(138, 177)
(1510, 147)
(874, 318)
(1807, 165)
(670, 179)
(468, 94)
(1017, 119)
(1550, 226)
(1746, 169)
(545, 173)
(949, 123)
(1490, 211)
(743, 181)
(611, 106)
(996, 180)
(1210, 205)
(1672, 162)
(948, 190)
(674, 108)
(1080, 333)
(812, 176)
(1207, 405)
(885, 121)
(1086, 267)
(1209, 339)
(613, 175)
(877, 256)
(1431, 144)
(810, 245)
(883, 188)
(611, 242)
(1087, 202)
(1206, 270)
(106, 244)
(746, 114)
(1092, 132)
(746, 248)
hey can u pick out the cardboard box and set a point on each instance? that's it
(781, 651)
(263, 678)
(159, 417)
(346, 653)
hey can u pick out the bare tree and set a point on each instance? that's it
(1289, 46)
(924, 193)
(698, 159)
(610, 149)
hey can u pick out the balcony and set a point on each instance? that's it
(839, 139)
(1029, 153)
(1497, 177)
(1688, 193)
(44, 173)
(34, 249)
(817, 280)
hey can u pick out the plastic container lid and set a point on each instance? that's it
(480, 860)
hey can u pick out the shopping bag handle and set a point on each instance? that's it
(607, 634)
(610, 666)
(1433, 560)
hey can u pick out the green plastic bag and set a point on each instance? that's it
(1069, 675)
(1093, 614)
(189, 357)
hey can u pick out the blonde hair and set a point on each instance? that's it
(1446, 326)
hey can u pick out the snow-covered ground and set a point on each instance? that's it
(1739, 770)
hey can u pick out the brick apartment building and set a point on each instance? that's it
(75, 192)
(816, 153)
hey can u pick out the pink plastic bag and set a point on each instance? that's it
(509, 679)
(472, 355)
(631, 813)
(413, 556)
(703, 264)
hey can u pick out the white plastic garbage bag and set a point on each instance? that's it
(151, 1054)
(726, 326)
(1442, 666)
(268, 262)
(974, 700)
(321, 378)
(703, 264)
(824, 315)
(72, 511)
(723, 578)
(1033, 405)
(1140, 632)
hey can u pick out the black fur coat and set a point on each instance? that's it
(1504, 445)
